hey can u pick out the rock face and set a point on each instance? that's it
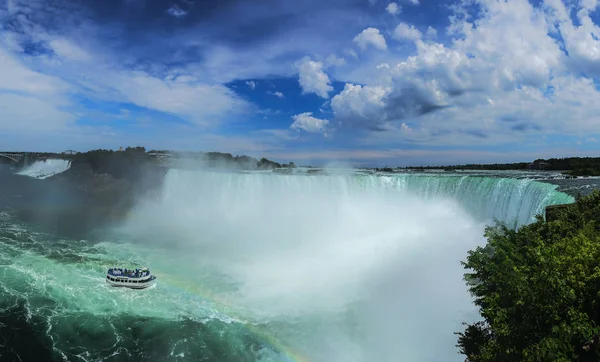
(101, 186)
(98, 190)
(553, 211)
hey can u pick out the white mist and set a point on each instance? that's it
(337, 269)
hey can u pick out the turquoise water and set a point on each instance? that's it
(261, 267)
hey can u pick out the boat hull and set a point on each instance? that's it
(117, 285)
(130, 283)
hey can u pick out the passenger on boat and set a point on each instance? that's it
(137, 273)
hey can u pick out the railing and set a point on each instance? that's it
(16, 157)
(128, 273)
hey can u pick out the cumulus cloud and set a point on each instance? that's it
(405, 31)
(501, 79)
(372, 107)
(360, 105)
(393, 8)
(507, 71)
(370, 37)
(312, 78)
(414, 2)
(333, 60)
(583, 41)
(305, 121)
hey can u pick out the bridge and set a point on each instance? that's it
(16, 157)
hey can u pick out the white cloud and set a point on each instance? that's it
(276, 94)
(431, 32)
(393, 8)
(176, 11)
(278, 134)
(312, 78)
(305, 121)
(486, 87)
(370, 36)
(24, 114)
(17, 77)
(332, 60)
(184, 79)
(496, 77)
(519, 116)
(183, 96)
(501, 50)
(404, 31)
(351, 53)
(35, 102)
(582, 42)
(67, 50)
(202, 104)
(590, 5)
(361, 106)
(414, 2)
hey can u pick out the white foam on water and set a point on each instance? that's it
(337, 268)
(344, 267)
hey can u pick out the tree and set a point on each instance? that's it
(538, 289)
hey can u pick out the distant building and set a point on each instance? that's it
(159, 154)
(69, 152)
(121, 149)
(538, 165)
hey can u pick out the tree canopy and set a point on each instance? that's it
(537, 289)
(574, 166)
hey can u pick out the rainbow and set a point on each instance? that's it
(290, 356)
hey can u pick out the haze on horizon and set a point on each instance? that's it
(358, 81)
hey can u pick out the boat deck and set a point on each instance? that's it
(128, 273)
(130, 278)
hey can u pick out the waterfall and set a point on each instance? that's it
(46, 168)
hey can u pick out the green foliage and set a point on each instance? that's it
(266, 164)
(586, 171)
(495, 166)
(119, 164)
(575, 166)
(128, 163)
(538, 289)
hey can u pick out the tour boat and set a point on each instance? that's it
(130, 278)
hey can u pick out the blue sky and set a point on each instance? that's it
(368, 82)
